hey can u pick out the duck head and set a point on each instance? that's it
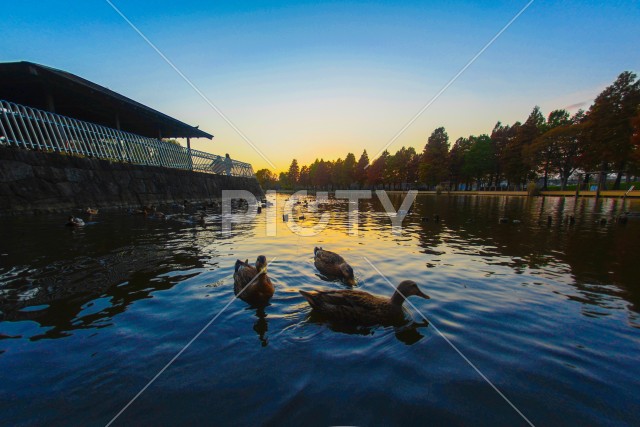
(347, 273)
(409, 288)
(261, 264)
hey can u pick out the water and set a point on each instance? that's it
(548, 313)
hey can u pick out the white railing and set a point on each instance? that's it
(34, 129)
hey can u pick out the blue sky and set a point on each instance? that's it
(319, 79)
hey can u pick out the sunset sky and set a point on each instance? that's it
(319, 79)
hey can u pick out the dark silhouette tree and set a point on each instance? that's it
(375, 172)
(361, 176)
(517, 166)
(457, 162)
(349, 170)
(294, 173)
(266, 179)
(434, 168)
(303, 178)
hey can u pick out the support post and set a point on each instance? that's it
(189, 153)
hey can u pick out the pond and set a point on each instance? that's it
(530, 319)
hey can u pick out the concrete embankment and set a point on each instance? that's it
(38, 182)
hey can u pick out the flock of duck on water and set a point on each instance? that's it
(153, 213)
(252, 285)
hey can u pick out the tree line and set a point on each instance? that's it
(603, 140)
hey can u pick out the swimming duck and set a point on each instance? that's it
(255, 291)
(333, 266)
(74, 222)
(146, 210)
(154, 213)
(90, 211)
(361, 307)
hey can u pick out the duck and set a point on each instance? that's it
(333, 266)
(74, 222)
(90, 211)
(255, 291)
(146, 210)
(362, 308)
(154, 213)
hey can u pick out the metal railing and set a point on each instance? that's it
(33, 129)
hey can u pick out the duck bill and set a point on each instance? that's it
(423, 295)
(351, 282)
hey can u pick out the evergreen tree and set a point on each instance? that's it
(349, 170)
(361, 169)
(457, 162)
(434, 168)
(294, 173)
(375, 172)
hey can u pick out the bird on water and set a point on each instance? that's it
(251, 284)
(333, 266)
(362, 308)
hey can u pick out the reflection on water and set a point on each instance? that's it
(546, 306)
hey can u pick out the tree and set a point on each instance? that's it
(320, 174)
(361, 169)
(562, 144)
(479, 159)
(283, 179)
(403, 166)
(375, 172)
(500, 137)
(457, 162)
(635, 142)
(517, 166)
(433, 169)
(337, 174)
(294, 173)
(413, 165)
(609, 127)
(266, 178)
(349, 170)
(542, 151)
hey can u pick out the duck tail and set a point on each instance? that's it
(309, 297)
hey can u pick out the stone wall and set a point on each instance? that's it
(38, 182)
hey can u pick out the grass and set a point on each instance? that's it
(623, 186)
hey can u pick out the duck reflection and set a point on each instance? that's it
(261, 326)
(405, 330)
